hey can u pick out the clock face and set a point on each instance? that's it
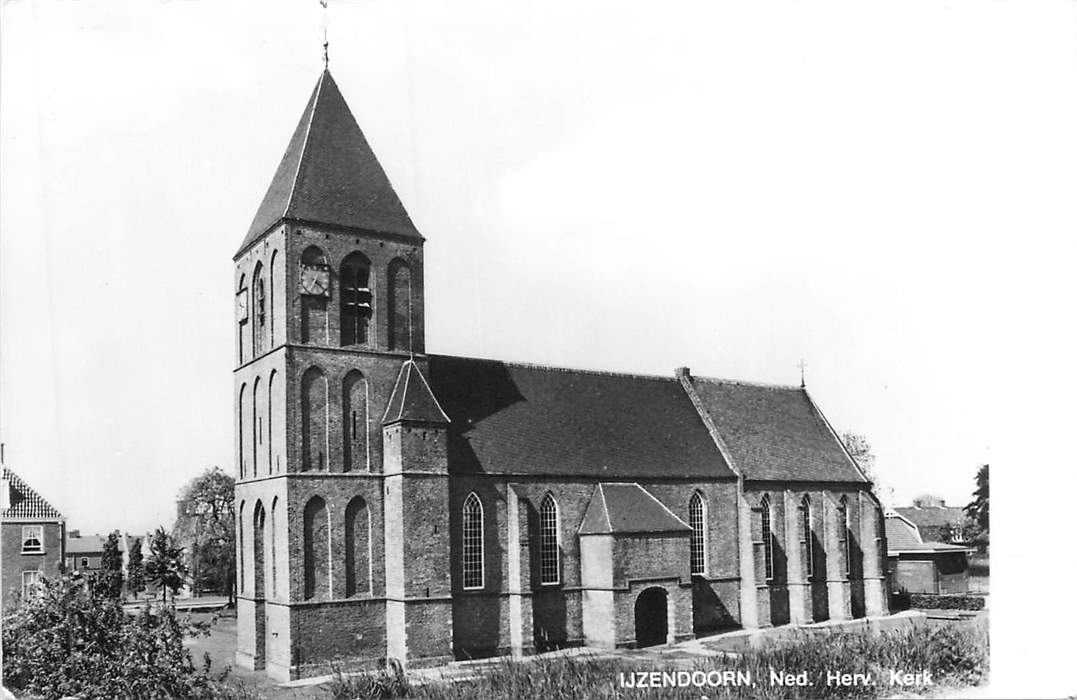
(314, 280)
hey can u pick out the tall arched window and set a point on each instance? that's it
(256, 427)
(270, 401)
(356, 548)
(315, 414)
(356, 301)
(315, 549)
(768, 538)
(274, 277)
(242, 555)
(697, 520)
(258, 540)
(241, 431)
(258, 334)
(314, 292)
(273, 547)
(474, 574)
(242, 314)
(844, 528)
(549, 541)
(808, 535)
(399, 305)
(355, 421)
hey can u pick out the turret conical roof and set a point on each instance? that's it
(330, 175)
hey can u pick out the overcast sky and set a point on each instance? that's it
(882, 189)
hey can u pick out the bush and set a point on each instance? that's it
(900, 600)
(946, 602)
(388, 683)
(71, 640)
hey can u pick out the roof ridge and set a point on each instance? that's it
(741, 382)
(306, 139)
(555, 368)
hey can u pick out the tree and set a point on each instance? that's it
(206, 525)
(68, 640)
(136, 573)
(166, 566)
(860, 449)
(109, 580)
(978, 510)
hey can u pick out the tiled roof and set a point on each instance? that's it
(775, 433)
(412, 399)
(522, 419)
(900, 533)
(85, 544)
(24, 502)
(627, 508)
(330, 175)
(933, 517)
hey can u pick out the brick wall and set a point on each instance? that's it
(15, 562)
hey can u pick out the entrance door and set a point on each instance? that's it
(651, 623)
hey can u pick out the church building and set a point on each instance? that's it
(397, 503)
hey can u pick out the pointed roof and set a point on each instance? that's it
(330, 175)
(627, 508)
(412, 399)
(24, 503)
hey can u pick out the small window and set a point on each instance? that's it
(32, 537)
(846, 532)
(768, 539)
(549, 542)
(31, 583)
(809, 549)
(85, 562)
(697, 519)
(474, 577)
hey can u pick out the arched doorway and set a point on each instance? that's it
(652, 624)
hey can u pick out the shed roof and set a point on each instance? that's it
(933, 516)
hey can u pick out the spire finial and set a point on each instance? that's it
(325, 32)
(802, 366)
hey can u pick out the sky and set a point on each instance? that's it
(883, 190)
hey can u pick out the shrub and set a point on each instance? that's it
(71, 640)
(946, 602)
(388, 683)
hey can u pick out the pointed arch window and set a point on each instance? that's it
(768, 538)
(314, 292)
(549, 541)
(357, 545)
(241, 431)
(356, 300)
(399, 305)
(844, 529)
(356, 420)
(474, 574)
(258, 334)
(697, 520)
(242, 314)
(316, 561)
(808, 535)
(315, 419)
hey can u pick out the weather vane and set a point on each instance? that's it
(325, 32)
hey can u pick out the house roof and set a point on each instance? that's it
(627, 508)
(85, 544)
(412, 399)
(529, 420)
(933, 516)
(330, 175)
(24, 503)
(775, 433)
(928, 547)
(900, 533)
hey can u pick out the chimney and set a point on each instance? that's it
(683, 373)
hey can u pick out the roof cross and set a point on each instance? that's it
(802, 365)
(325, 32)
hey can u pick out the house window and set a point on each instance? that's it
(697, 519)
(32, 536)
(809, 550)
(768, 539)
(85, 562)
(31, 582)
(549, 541)
(473, 536)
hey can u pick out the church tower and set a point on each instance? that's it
(341, 464)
